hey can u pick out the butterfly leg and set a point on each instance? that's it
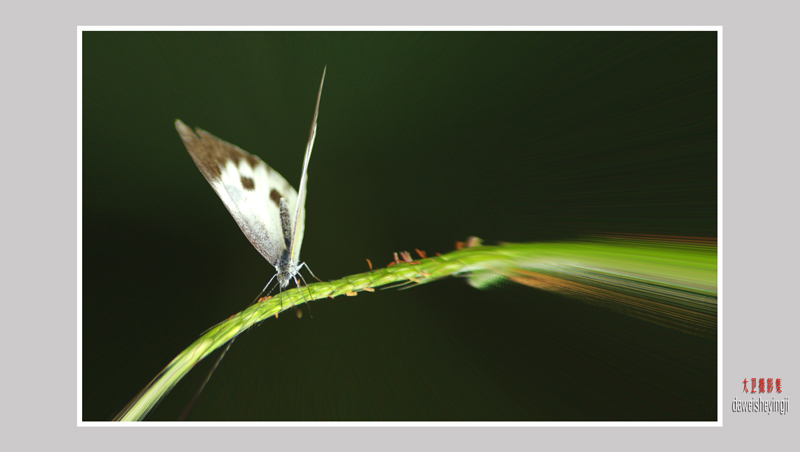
(303, 264)
(297, 283)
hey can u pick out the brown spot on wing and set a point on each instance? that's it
(210, 153)
(275, 196)
(248, 183)
(252, 160)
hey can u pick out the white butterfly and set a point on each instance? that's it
(268, 210)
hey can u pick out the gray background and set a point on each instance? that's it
(757, 316)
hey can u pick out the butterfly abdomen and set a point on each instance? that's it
(286, 268)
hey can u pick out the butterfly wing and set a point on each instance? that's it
(300, 209)
(250, 190)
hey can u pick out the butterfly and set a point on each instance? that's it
(267, 209)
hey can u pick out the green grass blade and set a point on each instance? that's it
(671, 283)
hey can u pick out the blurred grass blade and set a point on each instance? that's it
(671, 283)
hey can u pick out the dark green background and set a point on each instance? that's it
(424, 138)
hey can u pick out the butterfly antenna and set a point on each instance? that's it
(202, 386)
